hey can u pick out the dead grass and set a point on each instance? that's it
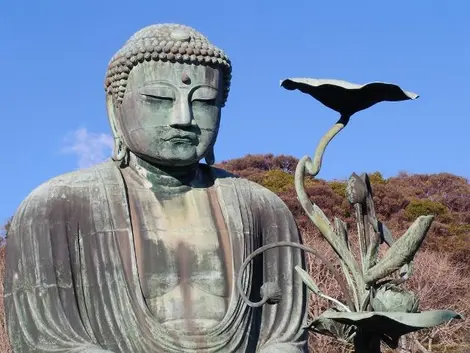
(440, 283)
(4, 341)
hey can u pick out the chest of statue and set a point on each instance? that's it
(181, 259)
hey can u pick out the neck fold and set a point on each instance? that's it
(172, 179)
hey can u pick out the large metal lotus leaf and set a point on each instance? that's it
(392, 324)
(345, 97)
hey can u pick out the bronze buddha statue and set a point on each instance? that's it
(139, 254)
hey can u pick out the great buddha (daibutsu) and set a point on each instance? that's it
(140, 254)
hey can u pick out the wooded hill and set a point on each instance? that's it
(398, 200)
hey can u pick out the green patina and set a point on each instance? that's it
(139, 254)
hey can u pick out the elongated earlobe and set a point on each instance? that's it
(120, 150)
(210, 157)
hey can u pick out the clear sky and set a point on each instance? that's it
(55, 53)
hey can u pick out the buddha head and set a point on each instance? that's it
(165, 89)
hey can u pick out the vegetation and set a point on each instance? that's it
(5, 229)
(277, 180)
(442, 268)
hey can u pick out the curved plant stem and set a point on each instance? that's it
(340, 228)
(315, 213)
(314, 168)
(307, 249)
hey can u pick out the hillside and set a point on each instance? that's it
(441, 274)
(442, 267)
(399, 200)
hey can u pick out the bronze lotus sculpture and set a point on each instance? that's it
(376, 308)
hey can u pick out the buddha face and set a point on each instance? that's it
(170, 112)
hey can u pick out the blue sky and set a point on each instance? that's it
(55, 53)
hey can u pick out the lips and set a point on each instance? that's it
(181, 138)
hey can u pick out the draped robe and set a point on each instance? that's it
(72, 283)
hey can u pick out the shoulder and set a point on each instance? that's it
(62, 202)
(258, 195)
(76, 180)
(66, 187)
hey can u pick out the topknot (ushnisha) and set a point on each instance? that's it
(164, 42)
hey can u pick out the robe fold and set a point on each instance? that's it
(72, 283)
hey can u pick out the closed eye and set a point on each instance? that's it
(207, 101)
(152, 97)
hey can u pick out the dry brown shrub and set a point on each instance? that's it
(442, 284)
(4, 340)
(323, 278)
(260, 162)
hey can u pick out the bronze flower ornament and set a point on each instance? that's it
(377, 309)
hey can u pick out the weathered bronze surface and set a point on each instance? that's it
(140, 254)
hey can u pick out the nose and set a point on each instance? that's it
(181, 115)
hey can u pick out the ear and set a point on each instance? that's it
(210, 156)
(120, 149)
